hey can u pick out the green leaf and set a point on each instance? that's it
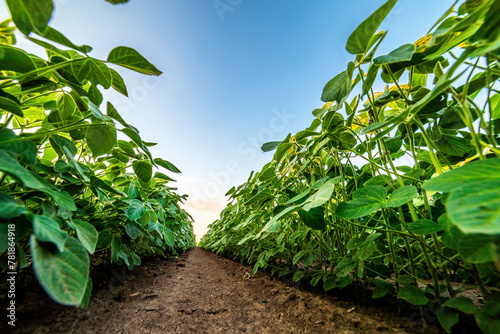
(126, 147)
(116, 247)
(48, 230)
(113, 113)
(401, 196)
(345, 266)
(481, 172)
(162, 176)
(403, 53)
(486, 323)
(63, 146)
(87, 234)
(86, 296)
(169, 236)
(66, 106)
(132, 231)
(249, 236)
(474, 202)
(366, 250)
(131, 59)
(55, 36)
(365, 201)
(322, 195)
(30, 15)
(62, 275)
(462, 304)
(61, 166)
(274, 224)
(447, 318)
(413, 295)
(16, 60)
(167, 165)
(382, 288)
(11, 166)
(135, 210)
(270, 146)
(424, 227)
(354, 243)
(298, 256)
(338, 88)
(134, 135)
(92, 70)
(314, 218)
(101, 138)
(452, 145)
(117, 82)
(379, 180)
(477, 248)
(298, 276)
(10, 106)
(114, 2)
(143, 169)
(10, 207)
(359, 40)
(476, 209)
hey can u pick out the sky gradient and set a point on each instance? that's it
(237, 73)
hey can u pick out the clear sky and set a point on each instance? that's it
(237, 73)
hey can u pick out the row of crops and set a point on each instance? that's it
(399, 189)
(70, 188)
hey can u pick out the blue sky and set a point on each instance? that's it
(237, 73)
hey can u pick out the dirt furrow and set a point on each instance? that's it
(203, 293)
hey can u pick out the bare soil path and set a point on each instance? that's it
(202, 292)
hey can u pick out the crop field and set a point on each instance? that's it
(383, 215)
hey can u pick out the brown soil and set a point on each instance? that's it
(202, 293)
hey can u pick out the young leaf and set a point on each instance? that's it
(359, 40)
(62, 275)
(131, 59)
